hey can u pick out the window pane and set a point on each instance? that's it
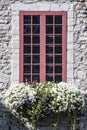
(49, 19)
(27, 49)
(27, 69)
(27, 19)
(58, 49)
(36, 59)
(49, 78)
(36, 39)
(36, 77)
(49, 40)
(49, 59)
(27, 78)
(27, 59)
(36, 19)
(58, 59)
(58, 39)
(49, 29)
(49, 69)
(58, 29)
(58, 69)
(49, 49)
(27, 29)
(58, 78)
(36, 29)
(27, 39)
(36, 49)
(58, 19)
(35, 69)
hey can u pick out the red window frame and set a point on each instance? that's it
(43, 40)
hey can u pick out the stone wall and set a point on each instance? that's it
(41, 6)
(6, 53)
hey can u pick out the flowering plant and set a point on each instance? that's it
(37, 100)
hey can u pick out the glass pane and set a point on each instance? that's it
(49, 59)
(36, 19)
(49, 69)
(58, 59)
(58, 39)
(27, 59)
(27, 49)
(58, 49)
(35, 69)
(49, 39)
(27, 29)
(27, 39)
(36, 77)
(27, 78)
(36, 59)
(49, 19)
(58, 69)
(36, 49)
(58, 29)
(58, 78)
(36, 39)
(49, 49)
(27, 19)
(49, 78)
(49, 29)
(58, 19)
(27, 69)
(36, 29)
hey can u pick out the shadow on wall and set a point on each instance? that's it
(46, 124)
(10, 122)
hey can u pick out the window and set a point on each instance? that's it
(42, 46)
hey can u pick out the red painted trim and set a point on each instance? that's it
(42, 49)
(43, 42)
(42, 12)
(64, 48)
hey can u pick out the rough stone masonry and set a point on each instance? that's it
(76, 50)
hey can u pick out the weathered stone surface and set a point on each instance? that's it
(76, 49)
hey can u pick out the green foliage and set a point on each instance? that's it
(38, 100)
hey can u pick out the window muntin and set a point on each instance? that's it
(43, 46)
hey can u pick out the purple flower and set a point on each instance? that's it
(48, 112)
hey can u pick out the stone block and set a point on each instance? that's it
(81, 74)
(70, 56)
(70, 36)
(16, 7)
(15, 76)
(77, 82)
(15, 18)
(15, 31)
(14, 81)
(70, 45)
(15, 13)
(70, 21)
(15, 45)
(44, 7)
(82, 4)
(70, 71)
(3, 78)
(16, 24)
(70, 14)
(15, 61)
(70, 80)
(15, 51)
(15, 37)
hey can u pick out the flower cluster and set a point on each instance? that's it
(18, 95)
(66, 97)
(37, 100)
